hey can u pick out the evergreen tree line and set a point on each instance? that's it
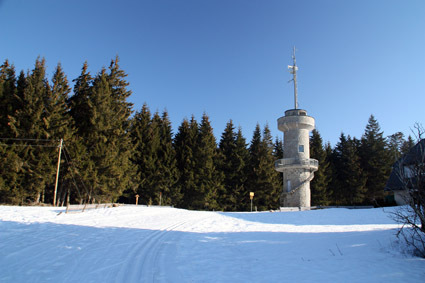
(355, 171)
(190, 170)
(112, 154)
(36, 113)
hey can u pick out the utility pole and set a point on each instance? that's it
(57, 172)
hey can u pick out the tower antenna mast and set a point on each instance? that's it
(293, 70)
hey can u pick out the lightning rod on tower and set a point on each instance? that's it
(293, 70)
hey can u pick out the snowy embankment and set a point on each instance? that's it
(160, 244)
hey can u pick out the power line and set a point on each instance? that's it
(25, 139)
(30, 145)
(68, 158)
(65, 151)
(79, 175)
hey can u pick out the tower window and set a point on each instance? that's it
(301, 148)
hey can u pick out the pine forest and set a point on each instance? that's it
(111, 152)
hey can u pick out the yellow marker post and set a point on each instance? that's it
(251, 196)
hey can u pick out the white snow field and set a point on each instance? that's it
(162, 244)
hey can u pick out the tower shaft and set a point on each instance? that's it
(297, 166)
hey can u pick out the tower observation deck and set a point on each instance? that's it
(297, 166)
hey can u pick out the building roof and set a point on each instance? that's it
(415, 155)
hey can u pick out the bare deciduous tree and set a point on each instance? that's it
(410, 171)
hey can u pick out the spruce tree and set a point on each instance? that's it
(142, 157)
(395, 142)
(21, 85)
(99, 143)
(106, 139)
(27, 121)
(120, 136)
(19, 190)
(79, 101)
(407, 145)
(375, 161)
(8, 98)
(253, 165)
(330, 171)
(338, 195)
(60, 125)
(171, 194)
(207, 177)
(184, 144)
(156, 186)
(241, 171)
(263, 180)
(349, 184)
(80, 109)
(278, 154)
(272, 187)
(120, 93)
(229, 163)
(319, 185)
(30, 122)
(278, 148)
(10, 163)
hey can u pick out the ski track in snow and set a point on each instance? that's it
(142, 264)
(162, 244)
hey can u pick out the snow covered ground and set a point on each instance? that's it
(161, 244)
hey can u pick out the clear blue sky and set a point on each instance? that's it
(229, 58)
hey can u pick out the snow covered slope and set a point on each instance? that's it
(161, 244)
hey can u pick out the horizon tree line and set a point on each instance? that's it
(112, 153)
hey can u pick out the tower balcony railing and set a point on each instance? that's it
(306, 163)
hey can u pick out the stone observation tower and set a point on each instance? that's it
(297, 167)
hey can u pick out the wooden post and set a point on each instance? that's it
(57, 173)
(137, 199)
